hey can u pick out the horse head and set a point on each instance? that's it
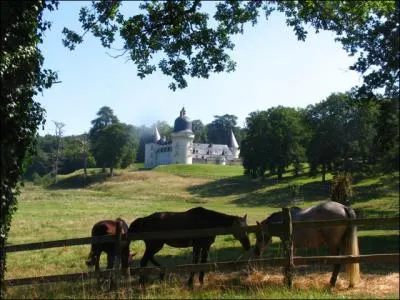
(262, 238)
(241, 234)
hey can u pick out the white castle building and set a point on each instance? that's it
(182, 150)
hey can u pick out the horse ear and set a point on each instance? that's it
(245, 217)
(258, 223)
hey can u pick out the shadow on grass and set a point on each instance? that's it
(226, 187)
(367, 244)
(79, 181)
(251, 196)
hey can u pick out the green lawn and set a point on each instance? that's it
(69, 208)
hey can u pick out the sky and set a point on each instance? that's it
(273, 68)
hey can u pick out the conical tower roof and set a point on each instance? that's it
(234, 143)
(157, 136)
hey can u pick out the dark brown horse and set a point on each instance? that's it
(109, 227)
(337, 238)
(195, 218)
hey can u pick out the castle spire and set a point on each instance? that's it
(157, 136)
(234, 143)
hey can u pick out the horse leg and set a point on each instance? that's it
(204, 256)
(336, 268)
(195, 260)
(110, 266)
(97, 267)
(151, 250)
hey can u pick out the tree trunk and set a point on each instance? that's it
(111, 171)
(323, 172)
(85, 166)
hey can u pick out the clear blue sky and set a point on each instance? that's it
(273, 68)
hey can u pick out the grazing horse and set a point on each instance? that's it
(337, 238)
(195, 218)
(109, 227)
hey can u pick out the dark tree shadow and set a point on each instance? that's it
(251, 196)
(79, 181)
(226, 187)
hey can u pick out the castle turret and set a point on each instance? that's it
(157, 136)
(234, 146)
(182, 140)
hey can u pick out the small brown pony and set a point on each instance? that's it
(109, 227)
(337, 238)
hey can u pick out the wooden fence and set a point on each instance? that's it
(282, 230)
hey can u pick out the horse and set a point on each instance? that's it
(195, 218)
(337, 238)
(109, 227)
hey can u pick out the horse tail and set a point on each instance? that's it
(351, 248)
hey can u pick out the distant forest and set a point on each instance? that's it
(338, 133)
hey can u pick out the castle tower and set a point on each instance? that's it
(234, 146)
(182, 140)
(150, 156)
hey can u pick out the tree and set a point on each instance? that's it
(110, 145)
(387, 138)
(22, 77)
(164, 129)
(195, 47)
(57, 148)
(83, 141)
(76, 154)
(105, 118)
(146, 135)
(331, 121)
(130, 149)
(219, 130)
(252, 148)
(273, 140)
(199, 130)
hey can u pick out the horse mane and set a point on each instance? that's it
(277, 216)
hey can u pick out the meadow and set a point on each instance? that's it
(69, 208)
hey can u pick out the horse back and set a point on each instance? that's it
(108, 227)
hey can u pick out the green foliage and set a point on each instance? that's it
(200, 132)
(387, 138)
(274, 140)
(145, 136)
(219, 130)
(194, 46)
(341, 188)
(164, 129)
(22, 77)
(113, 143)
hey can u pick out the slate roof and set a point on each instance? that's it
(209, 150)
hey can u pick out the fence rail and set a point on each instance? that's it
(194, 233)
(283, 229)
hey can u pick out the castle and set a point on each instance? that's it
(182, 150)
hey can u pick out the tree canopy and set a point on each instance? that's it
(195, 46)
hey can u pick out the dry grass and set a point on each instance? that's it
(371, 285)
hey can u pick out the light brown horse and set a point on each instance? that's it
(338, 238)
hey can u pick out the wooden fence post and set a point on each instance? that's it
(287, 247)
(117, 260)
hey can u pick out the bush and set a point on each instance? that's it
(341, 188)
(45, 180)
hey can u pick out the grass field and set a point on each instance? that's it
(69, 208)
